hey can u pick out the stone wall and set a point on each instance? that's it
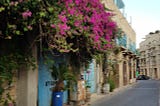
(131, 38)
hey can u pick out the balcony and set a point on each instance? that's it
(119, 4)
(132, 47)
(122, 41)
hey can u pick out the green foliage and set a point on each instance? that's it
(116, 50)
(62, 73)
(9, 65)
(98, 58)
(63, 31)
(88, 85)
(112, 85)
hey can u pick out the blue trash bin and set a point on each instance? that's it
(57, 98)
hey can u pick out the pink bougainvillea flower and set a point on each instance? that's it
(62, 18)
(96, 39)
(26, 14)
(90, 19)
(10, 104)
(108, 38)
(71, 11)
(77, 2)
(29, 27)
(77, 23)
(64, 26)
(12, 3)
(62, 32)
(108, 45)
(63, 12)
(53, 26)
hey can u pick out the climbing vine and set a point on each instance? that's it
(9, 65)
(81, 28)
(78, 26)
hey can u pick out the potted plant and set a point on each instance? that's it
(61, 73)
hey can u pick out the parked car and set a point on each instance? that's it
(143, 77)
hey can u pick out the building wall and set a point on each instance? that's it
(27, 82)
(120, 71)
(32, 82)
(22, 88)
(150, 55)
(121, 20)
(130, 40)
(11, 91)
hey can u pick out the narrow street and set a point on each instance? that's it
(143, 93)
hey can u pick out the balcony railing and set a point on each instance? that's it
(119, 3)
(132, 47)
(122, 41)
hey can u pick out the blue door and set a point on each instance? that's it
(90, 77)
(45, 84)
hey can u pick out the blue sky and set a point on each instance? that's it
(145, 16)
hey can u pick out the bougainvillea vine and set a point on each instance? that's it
(86, 19)
(83, 27)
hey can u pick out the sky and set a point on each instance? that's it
(144, 16)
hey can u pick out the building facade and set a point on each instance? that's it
(127, 42)
(150, 55)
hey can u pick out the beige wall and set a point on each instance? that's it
(121, 20)
(131, 38)
(33, 82)
(120, 59)
(27, 85)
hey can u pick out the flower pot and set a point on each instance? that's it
(106, 88)
(57, 99)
